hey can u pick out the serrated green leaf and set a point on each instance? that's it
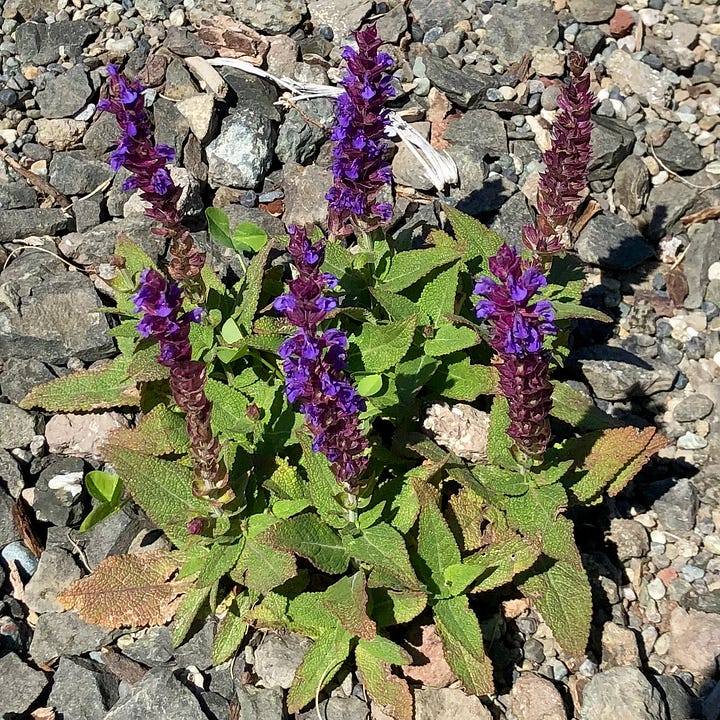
(578, 410)
(461, 636)
(466, 513)
(449, 339)
(86, 390)
(248, 236)
(287, 508)
(136, 259)
(385, 650)
(500, 444)
(406, 268)
(265, 567)
(308, 537)
(231, 631)
(229, 409)
(497, 480)
(251, 288)
(347, 601)
(220, 560)
(568, 310)
(159, 432)
(337, 259)
(411, 376)
(395, 607)
(270, 612)
(318, 667)
(382, 685)
(398, 307)
(481, 242)
(369, 385)
(382, 547)
(383, 346)
(144, 366)
(285, 482)
(460, 380)
(230, 332)
(186, 613)
(163, 490)
(219, 226)
(322, 486)
(438, 295)
(561, 592)
(307, 615)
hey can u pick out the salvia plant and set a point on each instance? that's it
(298, 436)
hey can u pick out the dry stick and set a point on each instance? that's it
(709, 213)
(42, 185)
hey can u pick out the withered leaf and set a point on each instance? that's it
(677, 285)
(128, 591)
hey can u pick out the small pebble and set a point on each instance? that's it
(712, 544)
(656, 589)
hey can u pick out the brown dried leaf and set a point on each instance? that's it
(127, 591)
(436, 115)
(233, 39)
(591, 209)
(709, 213)
(677, 285)
(24, 527)
(16, 583)
(429, 664)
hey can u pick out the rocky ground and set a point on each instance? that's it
(479, 78)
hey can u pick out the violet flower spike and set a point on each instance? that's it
(314, 363)
(360, 154)
(519, 323)
(147, 164)
(164, 320)
(566, 163)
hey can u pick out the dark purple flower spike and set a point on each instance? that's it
(519, 322)
(147, 165)
(566, 163)
(360, 155)
(315, 367)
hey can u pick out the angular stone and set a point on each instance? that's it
(19, 224)
(199, 111)
(17, 427)
(612, 141)
(680, 701)
(679, 153)
(666, 204)
(619, 645)
(392, 24)
(76, 173)
(61, 133)
(434, 703)
(677, 507)
(65, 633)
(693, 407)
(186, 44)
(158, 695)
(342, 16)
(532, 697)
(59, 506)
(613, 243)
(260, 703)
(179, 84)
(636, 77)
(299, 140)
(302, 207)
(630, 538)
(277, 658)
(16, 196)
(632, 184)
(171, 128)
(281, 16)
(154, 647)
(510, 219)
(82, 690)
(82, 435)
(592, 11)
(464, 87)
(56, 571)
(430, 14)
(39, 43)
(492, 141)
(622, 693)
(615, 374)
(512, 31)
(66, 94)
(702, 251)
(102, 135)
(21, 684)
(695, 641)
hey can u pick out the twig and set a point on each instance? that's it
(709, 213)
(303, 114)
(102, 186)
(36, 181)
(702, 188)
(80, 552)
(39, 249)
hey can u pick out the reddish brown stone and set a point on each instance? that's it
(621, 23)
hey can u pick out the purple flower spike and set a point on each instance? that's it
(360, 156)
(315, 367)
(566, 163)
(519, 323)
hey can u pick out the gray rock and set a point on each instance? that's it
(39, 43)
(346, 708)
(10, 474)
(197, 650)
(392, 24)
(241, 154)
(54, 317)
(21, 684)
(97, 245)
(17, 195)
(512, 31)
(260, 703)
(277, 658)
(622, 693)
(630, 538)
(408, 170)
(430, 14)
(110, 537)
(58, 507)
(615, 374)
(636, 77)
(278, 17)
(76, 173)
(171, 127)
(489, 197)
(632, 184)
(179, 83)
(17, 553)
(677, 507)
(82, 690)
(8, 531)
(679, 153)
(434, 703)
(17, 427)
(694, 641)
(153, 647)
(612, 243)
(592, 11)
(666, 204)
(464, 87)
(65, 633)
(693, 407)
(56, 571)
(342, 16)
(482, 130)
(237, 214)
(619, 644)
(18, 224)
(472, 170)
(299, 140)
(303, 207)
(88, 213)
(158, 695)
(65, 95)
(511, 217)
(590, 41)
(532, 697)
(612, 141)
(680, 702)
(186, 44)
(702, 251)
(102, 135)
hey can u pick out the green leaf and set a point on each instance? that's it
(265, 567)
(567, 310)
(97, 515)
(449, 339)
(230, 332)
(229, 409)
(406, 268)
(187, 612)
(398, 307)
(308, 615)
(103, 486)
(460, 380)
(136, 259)
(318, 667)
(561, 592)
(252, 287)
(438, 295)
(395, 607)
(161, 431)
(219, 226)
(381, 546)
(220, 560)
(578, 410)
(497, 480)
(287, 508)
(248, 236)
(231, 631)
(385, 650)
(144, 366)
(322, 486)
(383, 346)
(382, 685)
(308, 537)
(338, 259)
(461, 636)
(411, 376)
(347, 601)
(163, 490)
(285, 482)
(369, 385)
(481, 241)
(86, 390)
(500, 444)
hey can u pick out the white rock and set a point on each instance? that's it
(199, 111)
(81, 435)
(656, 589)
